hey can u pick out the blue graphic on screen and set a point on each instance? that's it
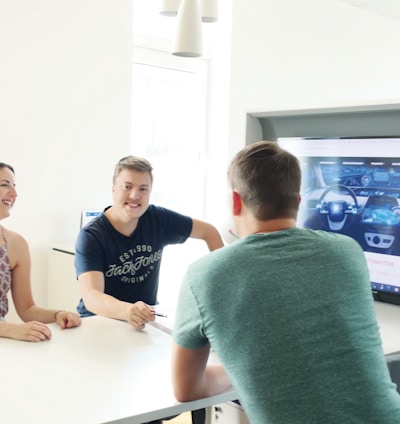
(352, 186)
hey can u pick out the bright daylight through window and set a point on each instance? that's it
(168, 129)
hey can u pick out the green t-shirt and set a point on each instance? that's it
(290, 315)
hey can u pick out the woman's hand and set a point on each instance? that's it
(32, 331)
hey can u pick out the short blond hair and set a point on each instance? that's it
(133, 162)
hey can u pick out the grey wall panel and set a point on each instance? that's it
(340, 122)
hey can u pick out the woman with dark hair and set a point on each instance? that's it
(15, 268)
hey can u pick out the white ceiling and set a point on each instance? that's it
(387, 8)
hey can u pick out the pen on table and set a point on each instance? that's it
(160, 315)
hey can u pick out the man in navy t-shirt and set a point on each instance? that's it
(118, 254)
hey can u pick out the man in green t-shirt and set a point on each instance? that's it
(288, 311)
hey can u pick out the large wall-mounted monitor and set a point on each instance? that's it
(352, 186)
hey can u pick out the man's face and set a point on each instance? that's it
(131, 192)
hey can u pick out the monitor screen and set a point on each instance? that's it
(352, 186)
(87, 215)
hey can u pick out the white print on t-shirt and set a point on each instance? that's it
(138, 249)
(134, 268)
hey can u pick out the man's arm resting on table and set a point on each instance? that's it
(91, 286)
(192, 378)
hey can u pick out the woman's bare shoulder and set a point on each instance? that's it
(13, 238)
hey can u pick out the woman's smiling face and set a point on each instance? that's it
(8, 193)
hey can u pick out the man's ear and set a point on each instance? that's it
(236, 203)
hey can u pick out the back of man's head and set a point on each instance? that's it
(268, 180)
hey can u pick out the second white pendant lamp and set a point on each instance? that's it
(209, 10)
(188, 40)
(170, 7)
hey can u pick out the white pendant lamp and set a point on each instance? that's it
(169, 7)
(188, 40)
(209, 10)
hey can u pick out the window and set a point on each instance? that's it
(169, 129)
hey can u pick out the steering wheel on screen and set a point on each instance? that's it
(337, 214)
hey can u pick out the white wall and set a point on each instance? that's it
(294, 54)
(65, 84)
(65, 87)
(218, 115)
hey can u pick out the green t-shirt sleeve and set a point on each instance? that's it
(188, 328)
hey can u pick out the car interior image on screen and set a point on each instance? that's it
(352, 186)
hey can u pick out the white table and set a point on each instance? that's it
(103, 371)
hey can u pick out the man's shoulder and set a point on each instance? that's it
(216, 259)
(96, 223)
(336, 243)
(164, 215)
(159, 211)
(99, 228)
(337, 237)
(325, 235)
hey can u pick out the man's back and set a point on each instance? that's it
(290, 314)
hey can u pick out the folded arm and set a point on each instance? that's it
(192, 378)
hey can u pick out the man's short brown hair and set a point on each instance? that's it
(268, 180)
(135, 163)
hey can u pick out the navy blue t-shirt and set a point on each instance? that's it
(131, 265)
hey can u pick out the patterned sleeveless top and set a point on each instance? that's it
(5, 277)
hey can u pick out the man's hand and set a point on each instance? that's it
(139, 314)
